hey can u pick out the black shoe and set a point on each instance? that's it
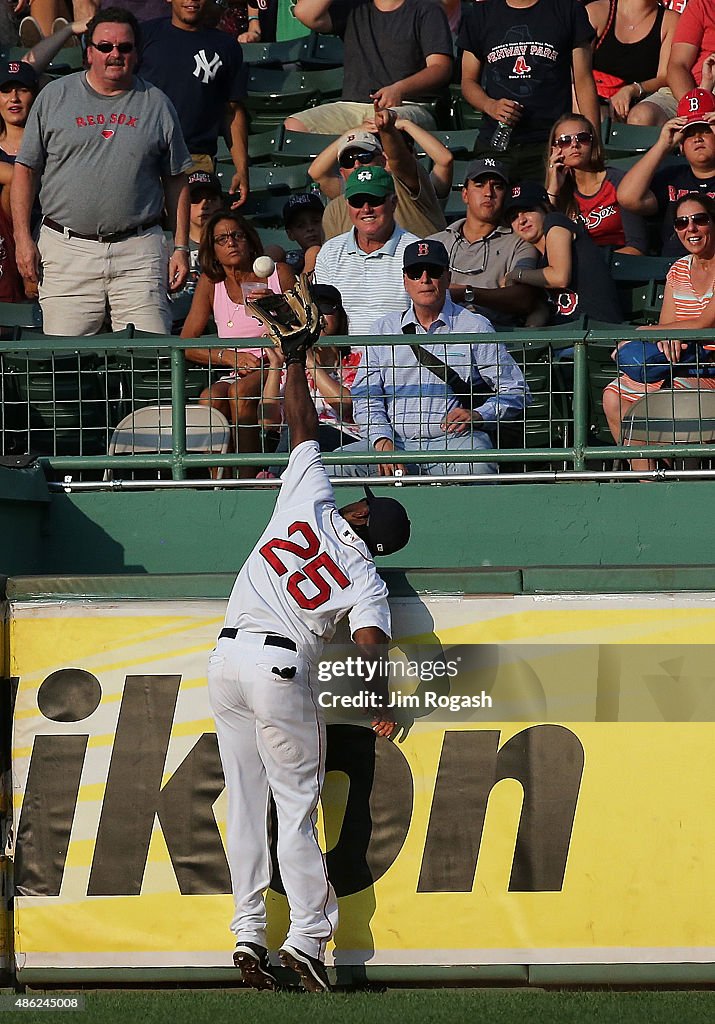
(254, 965)
(312, 973)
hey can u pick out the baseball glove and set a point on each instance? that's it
(291, 319)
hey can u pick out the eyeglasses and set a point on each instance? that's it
(701, 219)
(108, 47)
(236, 236)
(357, 202)
(583, 138)
(355, 156)
(416, 271)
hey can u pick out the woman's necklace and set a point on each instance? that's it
(626, 18)
(229, 323)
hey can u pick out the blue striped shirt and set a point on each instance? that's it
(370, 283)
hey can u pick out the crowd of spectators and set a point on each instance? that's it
(112, 210)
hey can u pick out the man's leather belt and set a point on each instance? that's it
(115, 236)
(271, 639)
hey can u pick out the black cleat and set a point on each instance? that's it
(254, 965)
(311, 971)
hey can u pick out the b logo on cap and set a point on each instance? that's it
(694, 104)
(13, 67)
(422, 248)
(516, 192)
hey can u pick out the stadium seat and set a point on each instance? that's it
(323, 52)
(264, 208)
(459, 143)
(149, 430)
(277, 54)
(627, 267)
(275, 236)
(275, 180)
(296, 147)
(274, 94)
(624, 139)
(20, 314)
(461, 114)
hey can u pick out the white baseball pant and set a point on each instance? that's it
(271, 739)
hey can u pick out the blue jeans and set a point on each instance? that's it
(477, 440)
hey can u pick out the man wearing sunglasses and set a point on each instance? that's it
(482, 249)
(365, 263)
(433, 395)
(109, 149)
(653, 190)
(418, 208)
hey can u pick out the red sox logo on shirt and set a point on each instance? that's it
(93, 120)
(521, 67)
(567, 303)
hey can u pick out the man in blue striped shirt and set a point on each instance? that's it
(429, 396)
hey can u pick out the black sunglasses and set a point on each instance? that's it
(108, 47)
(701, 219)
(565, 140)
(352, 156)
(416, 271)
(357, 202)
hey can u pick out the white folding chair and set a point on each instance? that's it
(672, 417)
(149, 430)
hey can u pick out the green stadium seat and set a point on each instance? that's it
(297, 147)
(327, 82)
(459, 143)
(274, 94)
(276, 180)
(264, 208)
(627, 267)
(461, 114)
(276, 54)
(323, 52)
(275, 236)
(20, 314)
(624, 139)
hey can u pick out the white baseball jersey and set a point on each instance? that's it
(309, 568)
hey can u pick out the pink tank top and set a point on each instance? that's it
(243, 325)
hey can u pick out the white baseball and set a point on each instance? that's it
(263, 266)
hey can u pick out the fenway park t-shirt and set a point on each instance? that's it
(525, 53)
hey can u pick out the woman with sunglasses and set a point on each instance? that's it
(580, 185)
(688, 302)
(570, 268)
(229, 246)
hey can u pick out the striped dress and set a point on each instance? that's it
(688, 305)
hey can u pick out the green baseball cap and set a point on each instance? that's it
(369, 181)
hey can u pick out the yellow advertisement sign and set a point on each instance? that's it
(565, 819)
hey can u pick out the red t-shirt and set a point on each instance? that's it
(696, 26)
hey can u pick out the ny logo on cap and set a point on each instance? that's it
(489, 162)
(423, 248)
(364, 176)
(13, 67)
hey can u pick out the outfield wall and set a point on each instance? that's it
(564, 829)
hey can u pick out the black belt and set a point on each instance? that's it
(115, 236)
(271, 639)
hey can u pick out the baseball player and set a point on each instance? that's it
(312, 565)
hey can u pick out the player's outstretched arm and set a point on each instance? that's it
(299, 408)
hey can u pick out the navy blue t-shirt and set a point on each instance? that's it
(199, 71)
(591, 291)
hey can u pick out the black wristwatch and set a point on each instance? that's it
(469, 294)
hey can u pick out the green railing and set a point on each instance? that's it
(99, 381)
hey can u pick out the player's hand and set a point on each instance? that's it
(389, 96)
(708, 76)
(178, 269)
(506, 111)
(383, 727)
(239, 189)
(458, 420)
